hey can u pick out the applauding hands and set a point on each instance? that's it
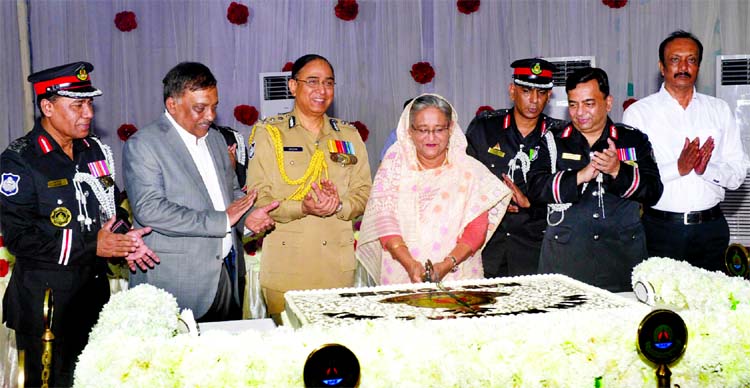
(695, 157)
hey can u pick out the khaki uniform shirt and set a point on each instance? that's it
(306, 251)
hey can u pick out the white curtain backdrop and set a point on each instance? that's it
(371, 55)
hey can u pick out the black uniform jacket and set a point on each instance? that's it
(495, 140)
(595, 241)
(40, 223)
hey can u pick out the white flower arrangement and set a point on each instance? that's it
(682, 286)
(559, 349)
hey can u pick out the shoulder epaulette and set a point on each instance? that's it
(273, 119)
(19, 145)
(487, 114)
(625, 126)
(342, 124)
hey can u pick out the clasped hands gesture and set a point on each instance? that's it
(695, 157)
(604, 162)
(325, 200)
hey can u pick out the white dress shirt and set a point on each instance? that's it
(202, 157)
(667, 125)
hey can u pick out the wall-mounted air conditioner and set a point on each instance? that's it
(275, 97)
(733, 86)
(557, 106)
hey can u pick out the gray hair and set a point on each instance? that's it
(429, 101)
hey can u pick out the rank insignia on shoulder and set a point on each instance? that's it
(569, 156)
(292, 121)
(60, 216)
(251, 150)
(334, 124)
(9, 185)
(57, 183)
(495, 150)
(626, 154)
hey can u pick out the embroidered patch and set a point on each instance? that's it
(60, 216)
(9, 185)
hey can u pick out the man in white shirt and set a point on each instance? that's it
(180, 180)
(699, 152)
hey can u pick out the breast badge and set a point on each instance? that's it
(60, 216)
(342, 151)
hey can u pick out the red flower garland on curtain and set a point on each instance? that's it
(484, 108)
(628, 102)
(422, 72)
(237, 13)
(347, 9)
(364, 133)
(287, 66)
(125, 131)
(615, 3)
(125, 21)
(246, 114)
(467, 6)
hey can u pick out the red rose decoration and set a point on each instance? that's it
(237, 13)
(347, 9)
(615, 3)
(422, 72)
(484, 108)
(4, 267)
(125, 131)
(628, 102)
(287, 66)
(125, 21)
(364, 133)
(467, 6)
(246, 114)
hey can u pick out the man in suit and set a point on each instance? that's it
(181, 182)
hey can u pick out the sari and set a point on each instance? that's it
(428, 208)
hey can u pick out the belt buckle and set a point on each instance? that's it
(686, 218)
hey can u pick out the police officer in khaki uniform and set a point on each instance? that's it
(317, 167)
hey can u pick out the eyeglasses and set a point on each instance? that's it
(316, 82)
(423, 132)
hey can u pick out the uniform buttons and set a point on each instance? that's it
(596, 237)
(325, 242)
(596, 216)
(557, 237)
(507, 234)
(492, 165)
(632, 237)
(291, 162)
(283, 243)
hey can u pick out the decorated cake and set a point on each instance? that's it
(536, 294)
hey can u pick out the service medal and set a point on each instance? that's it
(60, 216)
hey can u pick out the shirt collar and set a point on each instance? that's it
(325, 131)
(186, 136)
(665, 93)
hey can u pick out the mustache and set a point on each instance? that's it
(685, 73)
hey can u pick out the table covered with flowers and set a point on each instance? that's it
(138, 342)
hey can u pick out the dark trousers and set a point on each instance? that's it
(702, 245)
(65, 352)
(227, 304)
(511, 255)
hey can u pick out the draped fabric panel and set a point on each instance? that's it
(371, 55)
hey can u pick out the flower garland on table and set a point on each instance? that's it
(134, 344)
(679, 284)
(315, 170)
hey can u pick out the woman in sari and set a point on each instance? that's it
(430, 202)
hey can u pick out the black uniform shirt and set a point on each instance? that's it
(39, 207)
(495, 140)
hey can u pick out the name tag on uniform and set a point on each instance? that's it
(57, 183)
(495, 150)
(570, 156)
(293, 149)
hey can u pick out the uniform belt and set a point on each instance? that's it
(689, 218)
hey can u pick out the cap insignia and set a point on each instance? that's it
(536, 69)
